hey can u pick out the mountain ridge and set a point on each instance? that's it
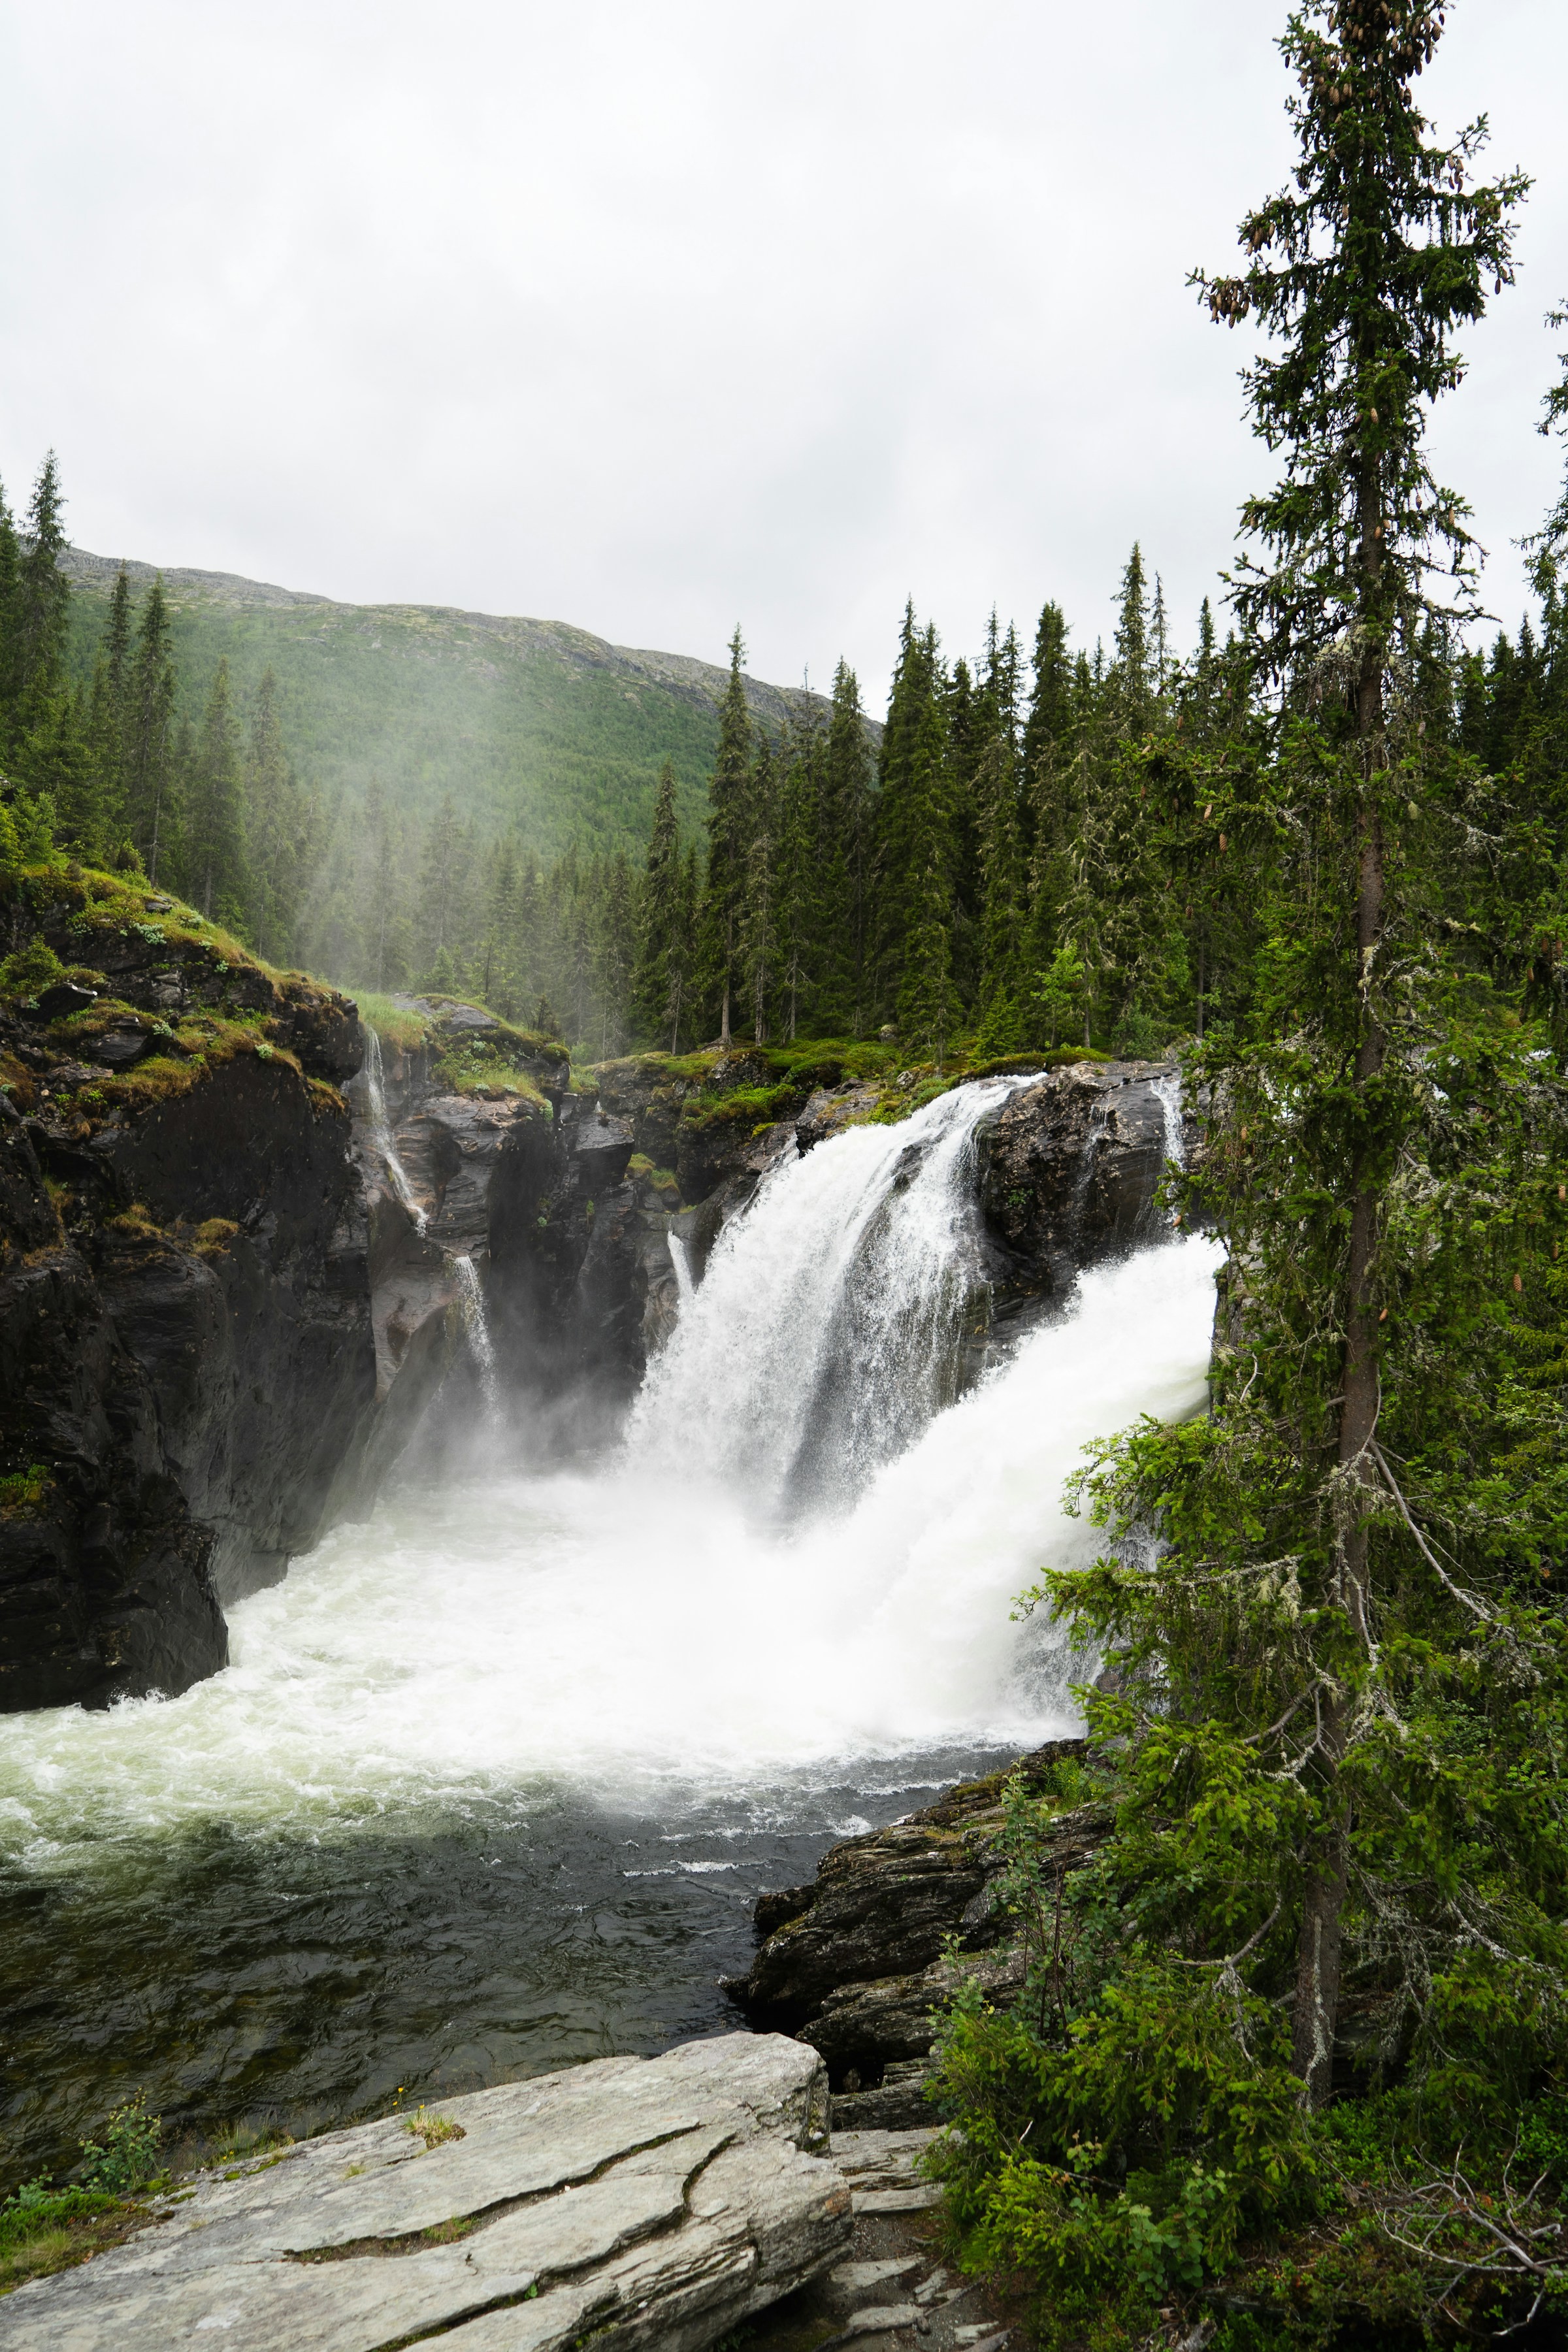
(531, 724)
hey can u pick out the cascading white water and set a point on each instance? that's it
(659, 1627)
(470, 1291)
(825, 1331)
(684, 1284)
(375, 1091)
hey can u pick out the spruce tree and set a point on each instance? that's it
(10, 632)
(759, 939)
(498, 982)
(1362, 271)
(1330, 1735)
(727, 845)
(150, 770)
(800, 892)
(913, 859)
(214, 846)
(928, 1002)
(108, 724)
(655, 1005)
(843, 860)
(42, 600)
(442, 877)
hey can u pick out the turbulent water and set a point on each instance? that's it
(493, 1780)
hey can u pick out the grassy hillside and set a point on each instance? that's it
(527, 722)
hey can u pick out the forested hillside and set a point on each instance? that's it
(533, 726)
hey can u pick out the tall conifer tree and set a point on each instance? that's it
(727, 843)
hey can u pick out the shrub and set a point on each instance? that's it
(128, 2156)
(30, 970)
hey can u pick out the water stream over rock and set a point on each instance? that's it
(494, 1777)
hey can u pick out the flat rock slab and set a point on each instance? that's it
(650, 2202)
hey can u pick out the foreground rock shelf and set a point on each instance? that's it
(642, 2202)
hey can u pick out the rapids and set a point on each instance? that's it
(492, 1779)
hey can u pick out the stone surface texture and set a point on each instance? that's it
(856, 1962)
(185, 1345)
(640, 2202)
(894, 2292)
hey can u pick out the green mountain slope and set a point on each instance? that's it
(531, 723)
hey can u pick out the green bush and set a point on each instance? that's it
(30, 970)
(128, 2157)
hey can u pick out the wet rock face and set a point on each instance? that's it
(185, 1357)
(1069, 1171)
(651, 2204)
(854, 1963)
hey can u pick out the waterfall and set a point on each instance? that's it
(669, 1620)
(828, 1328)
(381, 1130)
(472, 1294)
(684, 1284)
(1168, 1094)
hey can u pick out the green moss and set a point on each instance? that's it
(397, 1025)
(23, 1490)
(214, 1236)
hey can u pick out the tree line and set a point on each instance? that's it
(1043, 848)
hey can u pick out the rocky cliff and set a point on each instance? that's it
(187, 1363)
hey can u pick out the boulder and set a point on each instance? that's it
(856, 1962)
(57, 1003)
(640, 2202)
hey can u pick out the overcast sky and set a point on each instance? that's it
(652, 317)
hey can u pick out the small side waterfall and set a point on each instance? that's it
(682, 1265)
(381, 1130)
(1168, 1093)
(470, 1292)
(826, 1330)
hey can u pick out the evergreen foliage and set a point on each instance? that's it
(1320, 1950)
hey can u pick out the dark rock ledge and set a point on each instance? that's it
(856, 1963)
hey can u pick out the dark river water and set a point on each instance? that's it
(253, 1981)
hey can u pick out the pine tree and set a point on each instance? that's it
(914, 855)
(727, 844)
(928, 998)
(108, 724)
(10, 631)
(662, 942)
(800, 877)
(837, 942)
(442, 875)
(150, 773)
(759, 941)
(42, 606)
(213, 848)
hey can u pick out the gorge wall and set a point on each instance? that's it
(241, 1265)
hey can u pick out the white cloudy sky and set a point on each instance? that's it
(653, 314)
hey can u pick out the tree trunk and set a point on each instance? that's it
(1318, 1969)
